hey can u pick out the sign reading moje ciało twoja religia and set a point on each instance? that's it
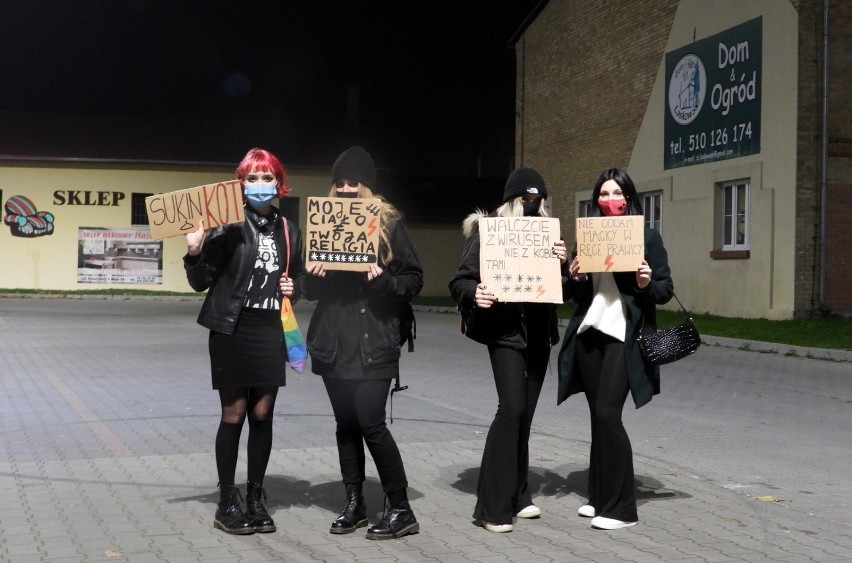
(177, 213)
(343, 233)
(516, 260)
(611, 244)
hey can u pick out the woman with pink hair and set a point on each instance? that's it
(244, 269)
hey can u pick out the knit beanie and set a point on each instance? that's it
(355, 163)
(524, 181)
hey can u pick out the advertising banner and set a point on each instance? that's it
(118, 256)
(713, 97)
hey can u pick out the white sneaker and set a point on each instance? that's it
(602, 523)
(586, 511)
(498, 528)
(532, 511)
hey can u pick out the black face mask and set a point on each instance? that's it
(531, 208)
(346, 194)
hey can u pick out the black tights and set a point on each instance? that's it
(258, 403)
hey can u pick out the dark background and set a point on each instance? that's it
(426, 86)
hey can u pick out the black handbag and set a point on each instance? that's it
(670, 344)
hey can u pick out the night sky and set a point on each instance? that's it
(426, 86)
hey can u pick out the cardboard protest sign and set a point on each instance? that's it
(516, 258)
(611, 244)
(343, 233)
(177, 213)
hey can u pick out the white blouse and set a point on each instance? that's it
(606, 312)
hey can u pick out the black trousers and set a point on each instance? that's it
(359, 410)
(503, 489)
(602, 367)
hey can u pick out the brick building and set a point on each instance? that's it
(733, 123)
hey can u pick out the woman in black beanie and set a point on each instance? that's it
(519, 337)
(354, 342)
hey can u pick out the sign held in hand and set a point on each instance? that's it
(516, 260)
(179, 212)
(611, 244)
(343, 233)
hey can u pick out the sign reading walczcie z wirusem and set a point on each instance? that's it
(713, 102)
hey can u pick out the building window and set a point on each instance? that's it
(585, 208)
(138, 212)
(652, 204)
(734, 215)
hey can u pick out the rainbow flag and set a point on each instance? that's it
(297, 352)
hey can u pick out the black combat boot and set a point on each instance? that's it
(354, 514)
(256, 513)
(229, 516)
(397, 521)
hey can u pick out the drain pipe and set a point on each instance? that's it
(823, 180)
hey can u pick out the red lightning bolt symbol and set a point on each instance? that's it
(372, 225)
(608, 262)
(540, 290)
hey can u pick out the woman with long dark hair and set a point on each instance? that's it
(601, 358)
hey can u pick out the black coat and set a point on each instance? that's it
(502, 324)
(377, 305)
(644, 379)
(226, 262)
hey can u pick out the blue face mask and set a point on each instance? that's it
(261, 194)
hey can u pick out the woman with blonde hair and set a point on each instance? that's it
(354, 343)
(519, 337)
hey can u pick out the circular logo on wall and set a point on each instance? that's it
(687, 86)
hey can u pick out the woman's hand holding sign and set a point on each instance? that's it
(195, 239)
(643, 275)
(483, 298)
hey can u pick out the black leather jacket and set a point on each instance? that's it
(376, 304)
(226, 262)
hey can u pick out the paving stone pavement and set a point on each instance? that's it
(106, 432)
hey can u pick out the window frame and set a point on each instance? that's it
(735, 211)
(651, 209)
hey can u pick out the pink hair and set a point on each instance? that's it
(264, 161)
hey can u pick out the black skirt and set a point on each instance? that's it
(254, 356)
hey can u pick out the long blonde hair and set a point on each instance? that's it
(387, 214)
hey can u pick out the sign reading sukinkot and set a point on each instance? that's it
(713, 99)
(343, 233)
(516, 260)
(177, 213)
(611, 244)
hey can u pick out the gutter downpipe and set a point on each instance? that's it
(823, 235)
